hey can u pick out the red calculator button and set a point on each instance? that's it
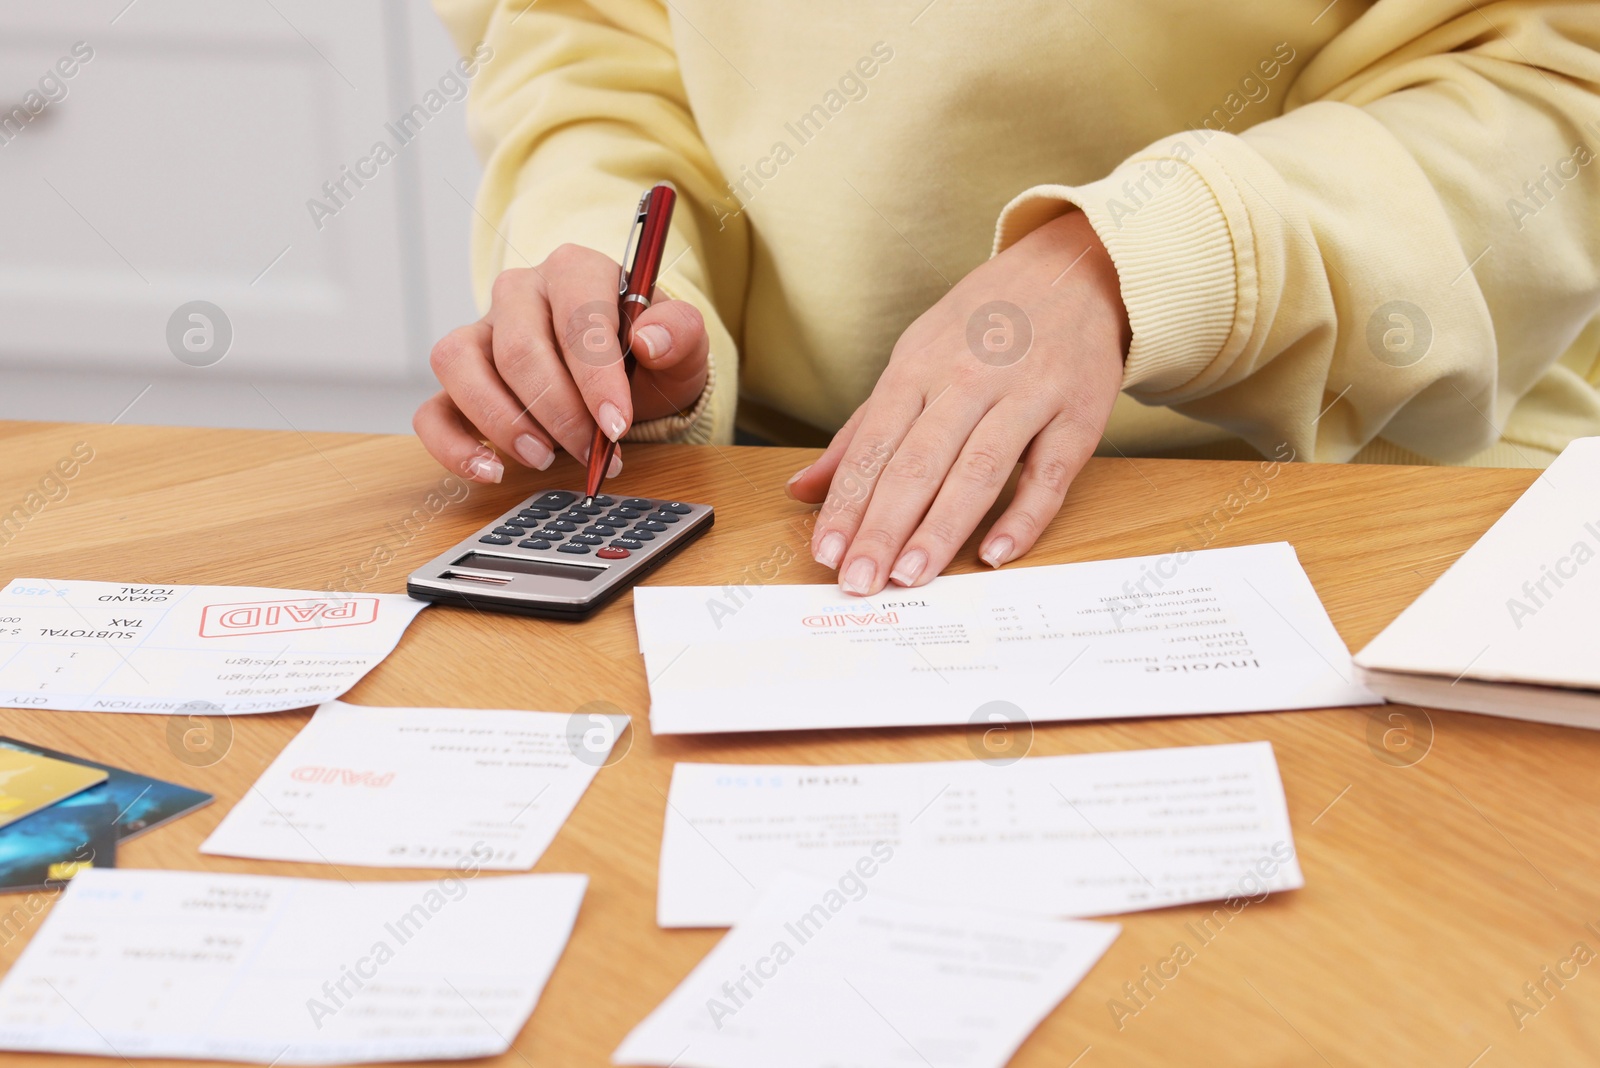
(608, 553)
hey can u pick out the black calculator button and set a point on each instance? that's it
(535, 513)
(602, 500)
(637, 502)
(580, 550)
(585, 539)
(611, 552)
(554, 499)
(602, 530)
(533, 543)
(663, 517)
(587, 509)
(496, 539)
(639, 535)
(547, 535)
(618, 517)
(627, 543)
(652, 524)
(627, 513)
(561, 524)
(518, 521)
(676, 506)
(509, 532)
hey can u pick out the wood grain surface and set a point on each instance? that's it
(1435, 887)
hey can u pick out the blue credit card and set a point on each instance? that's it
(43, 850)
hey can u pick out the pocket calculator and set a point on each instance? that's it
(559, 554)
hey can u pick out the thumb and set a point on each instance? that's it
(669, 340)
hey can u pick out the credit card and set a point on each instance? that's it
(44, 850)
(31, 781)
(139, 802)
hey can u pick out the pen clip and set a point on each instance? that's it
(631, 247)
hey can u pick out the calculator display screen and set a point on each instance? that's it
(541, 568)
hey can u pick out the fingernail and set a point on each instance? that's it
(830, 550)
(860, 577)
(788, 487)
(611, 420)
(655, 339)
(535, 453)
(998, 551)
(486, 469)
(909, 567)
(616, 466)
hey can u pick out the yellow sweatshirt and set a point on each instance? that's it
(1351, 229)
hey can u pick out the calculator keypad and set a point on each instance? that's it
(561, 521)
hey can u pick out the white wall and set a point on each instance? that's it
(175, 165)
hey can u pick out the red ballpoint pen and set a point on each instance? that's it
(637, 282)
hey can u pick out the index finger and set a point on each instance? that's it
(884, 423)
(583, 313)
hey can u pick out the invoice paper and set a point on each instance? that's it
(1219, 630)
(213, 650)
(287, 971)
(836, 972)
(1080, 835)
(419, 787)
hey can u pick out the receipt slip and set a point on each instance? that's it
(1219, 630)
(419, 787)
(287, 971)
(837, 972)
(228, 650)
(1082, 835)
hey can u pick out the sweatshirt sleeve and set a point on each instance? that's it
(1402, 254)
(575, 109)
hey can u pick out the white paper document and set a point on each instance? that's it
(287, 971)
(209, 650)
(1219, 630)
(1081, 835)
(419, 787)
(836, 972)
(1510, 628)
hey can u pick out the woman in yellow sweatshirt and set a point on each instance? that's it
(959, 236)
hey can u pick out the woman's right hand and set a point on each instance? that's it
(543, 368)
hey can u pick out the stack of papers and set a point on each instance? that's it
(1510, 629)
(287, 971)
(1085, 835)
(824, 972)
(419, 787)
(1220, 630)
(218, 650)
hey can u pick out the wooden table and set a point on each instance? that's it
(1435, 888)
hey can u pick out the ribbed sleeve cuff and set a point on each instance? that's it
(686, 427)
(1169, 239)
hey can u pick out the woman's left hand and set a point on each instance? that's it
(1022, 359)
